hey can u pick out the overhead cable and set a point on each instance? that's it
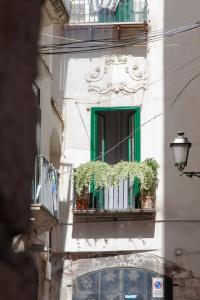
(85, 46)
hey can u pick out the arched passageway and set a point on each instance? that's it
(122, 283)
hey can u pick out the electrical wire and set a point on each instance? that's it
(112, 43)
(151, 38)
(82, 120)
(149, 120)
(158, 33)
(82, 41)
(78, 100)
(153, 118)
(130, 135)
(184, 88)
(111, 39)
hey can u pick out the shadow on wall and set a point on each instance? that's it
(104, 35)
(116, 230)
(181, 193)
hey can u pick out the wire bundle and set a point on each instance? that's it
(84, 46)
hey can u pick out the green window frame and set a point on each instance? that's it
(135, 111)
(133, 120)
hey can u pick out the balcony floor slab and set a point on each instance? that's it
(92, 215)
(41, 218)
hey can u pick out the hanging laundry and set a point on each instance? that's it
(67, 5)
(104, 5)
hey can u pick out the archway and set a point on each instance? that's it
(122, 283)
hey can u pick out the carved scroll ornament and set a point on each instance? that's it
(133, 77)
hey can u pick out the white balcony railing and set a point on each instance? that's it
(122, 197)
(45, 185)
(93, 11)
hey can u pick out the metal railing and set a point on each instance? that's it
(45, 185)
(88, 11)
(122, 197)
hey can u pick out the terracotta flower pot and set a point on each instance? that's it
(147, 202)
(82, 203)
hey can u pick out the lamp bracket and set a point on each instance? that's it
(191, 174)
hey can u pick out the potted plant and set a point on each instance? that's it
(82, 200)
(92, 175)
(148, 195)
(99, 175)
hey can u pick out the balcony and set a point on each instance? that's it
(45, 201)
(125, 200)
(88, 12)
(125, 190)
(114, 203)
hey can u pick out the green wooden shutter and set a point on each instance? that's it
(131, 148)
(93, 134)
(98, 131)
(134, 147)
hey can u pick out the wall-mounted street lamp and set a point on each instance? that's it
(181, 147)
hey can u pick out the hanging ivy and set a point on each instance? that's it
(102, 175)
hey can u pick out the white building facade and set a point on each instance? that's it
(50, 124)
(138, 72)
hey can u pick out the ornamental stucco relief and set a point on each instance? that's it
(117, 74)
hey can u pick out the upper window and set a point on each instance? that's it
(115, 134)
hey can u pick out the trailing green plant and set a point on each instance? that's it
(100, 175)
(94, 172)
(152, 163)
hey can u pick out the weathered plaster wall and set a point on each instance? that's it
(80, 94)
